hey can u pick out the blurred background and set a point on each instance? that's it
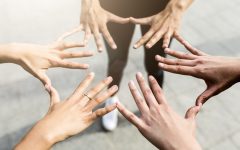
(211, 25)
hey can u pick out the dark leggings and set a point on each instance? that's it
(122, 34)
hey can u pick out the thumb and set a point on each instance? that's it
(54, 97)
(142, 21)
(208, 93)
(192, 112)
(41, 75)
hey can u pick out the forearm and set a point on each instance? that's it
(7, 54)
(35, 139)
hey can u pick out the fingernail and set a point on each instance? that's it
(114, 46)
(139, 74)
(166, 50)
(135, 46)
(160, 64)
(91, 74)
(86, 66)
(115, 87)
(148, 45)
(109, 78)
(131, 83)
(151, 78)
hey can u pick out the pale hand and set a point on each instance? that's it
(163, 25)
(69, 117)
(94, 21)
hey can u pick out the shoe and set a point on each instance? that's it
(110, 120)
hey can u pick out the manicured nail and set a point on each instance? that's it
(151, 78)
(109, 78)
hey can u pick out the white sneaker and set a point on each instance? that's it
(110, 120)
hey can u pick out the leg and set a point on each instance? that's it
(150, 63)
(117, 59)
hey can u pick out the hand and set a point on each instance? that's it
(94, 20)
(218, 72)
(164, 25)
(158, 122)
(37, 59)
(69, 117)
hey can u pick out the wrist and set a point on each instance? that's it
(8, 53)
(39, 135)
(179, 5)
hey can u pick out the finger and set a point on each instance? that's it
(192, 112)
(147, 92)
(69, 33)
(95, 102)
(184, 70)
(189, 47)
(181, 62)
(103, 111)
(98, 40)
(41, 75)
(129, 115)
(96, 90)
(76, 54)
(208, 93)
(54, 97)
(140, 102)
(157, 91)
(144, 39)
(167, 39)
(67, 45)
(117, 19)
(180, 55)
(155, 38)
(71, 65)
(87, 34)
(82, 86)
(142, 21)
(108, 37)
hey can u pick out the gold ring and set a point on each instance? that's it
(87, 96)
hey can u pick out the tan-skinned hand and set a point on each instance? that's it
(158, 123)
(37, 59)
(94, 21)
(69, 117)
(163, 25)
(218, 72)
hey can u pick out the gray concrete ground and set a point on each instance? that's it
(211, 25)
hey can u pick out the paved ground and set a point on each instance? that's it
(213, 26)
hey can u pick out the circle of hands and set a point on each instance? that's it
(153, 106)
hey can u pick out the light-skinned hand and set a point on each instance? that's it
(94, 21)
(69, 117)
(163, 25)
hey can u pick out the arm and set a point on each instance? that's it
(94, 21)
(218, 72)
(164, 25)
(69, 117)
(158, 123)
(37, 59)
